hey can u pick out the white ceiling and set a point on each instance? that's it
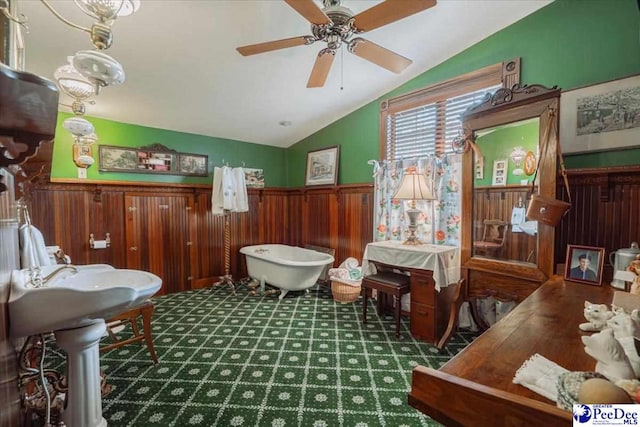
(184, 74)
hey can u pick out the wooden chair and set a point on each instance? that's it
(130, 317)
(494, 236)
(387, 284)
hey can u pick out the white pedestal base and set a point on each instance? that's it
(84, 400)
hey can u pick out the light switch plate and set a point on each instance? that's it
(82, 173)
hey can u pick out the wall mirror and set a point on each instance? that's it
(513, 132)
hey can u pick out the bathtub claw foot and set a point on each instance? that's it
(282, 294)
(253, 284)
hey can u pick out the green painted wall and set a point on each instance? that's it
(569, 43)
(498, 146)
(271, 159)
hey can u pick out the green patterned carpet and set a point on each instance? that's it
(259, 361)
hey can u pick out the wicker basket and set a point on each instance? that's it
(344, 293)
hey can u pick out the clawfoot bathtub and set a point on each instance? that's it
(288, 268)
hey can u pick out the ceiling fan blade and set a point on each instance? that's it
(321, 68)
(253, 49)
(310, 11)
(378, 55)
(389, 11)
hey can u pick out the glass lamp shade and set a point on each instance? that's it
(129, 7)
(108, 10)
(74, 84)
(98, 67)
(414, 186)
(78, 126)
(90, 139)
(517, 156)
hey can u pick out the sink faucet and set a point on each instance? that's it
(37, 281)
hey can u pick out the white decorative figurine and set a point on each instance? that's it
(597, 316)
(625, 327)
(612, 362)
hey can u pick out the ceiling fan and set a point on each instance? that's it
(336, 24)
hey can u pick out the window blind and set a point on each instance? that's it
(424, 121)
(428, 129)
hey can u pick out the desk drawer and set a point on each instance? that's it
(423, 324)
(422, 291)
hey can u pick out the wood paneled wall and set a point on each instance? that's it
(605, 211)
(174, 234)
(604, 214)
(498, 203)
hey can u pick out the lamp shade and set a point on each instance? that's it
(414, 186)
(73, 83)
(107, 10)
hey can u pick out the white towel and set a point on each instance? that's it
(216, 192)
(33, 252)
(240, 185)
(229, 191)
(540, 375)
(350, 263)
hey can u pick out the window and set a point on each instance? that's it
(424, 122)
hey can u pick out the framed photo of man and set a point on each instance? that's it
(584, 264)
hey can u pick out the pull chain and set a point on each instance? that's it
(342, 69)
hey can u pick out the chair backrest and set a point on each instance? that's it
(495, 231)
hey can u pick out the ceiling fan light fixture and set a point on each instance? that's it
(336, 24)
(334, 41)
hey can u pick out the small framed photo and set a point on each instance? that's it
(480, 170)
(322, 166)
(584, 264)
(499, 172)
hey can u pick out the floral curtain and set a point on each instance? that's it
(439, 221)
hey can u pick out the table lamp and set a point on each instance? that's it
(414, 186)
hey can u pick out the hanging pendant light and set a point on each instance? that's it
(107, 10)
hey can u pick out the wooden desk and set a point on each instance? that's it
(475, 388)
(432, 268)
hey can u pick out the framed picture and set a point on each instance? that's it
(117, 159)
(155, 158)
(499, 172)
(322, 166)
(601, 117)
(254, 177)
(193, 164)
(584, 264)
(480, 169)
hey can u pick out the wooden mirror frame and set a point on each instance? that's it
(502, 277)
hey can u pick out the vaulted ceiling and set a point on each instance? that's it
(183, 72)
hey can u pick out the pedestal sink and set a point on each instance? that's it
(74, 304)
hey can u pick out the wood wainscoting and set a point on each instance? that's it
(498, 203)
(605, 211)
(170, 231)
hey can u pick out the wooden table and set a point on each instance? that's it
(434, 283)
(475, 388)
